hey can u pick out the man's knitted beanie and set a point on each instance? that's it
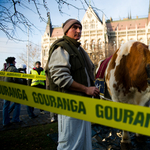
(68, 24)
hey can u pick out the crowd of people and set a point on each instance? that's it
(10, 66)
(68, 70)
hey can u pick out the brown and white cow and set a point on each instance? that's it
(126, 76)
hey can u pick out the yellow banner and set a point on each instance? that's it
(22, 75)
(128, 117)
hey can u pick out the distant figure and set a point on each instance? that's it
(6, 117)
(2, 77)
(53, 116)
(37, 70)
(21, 69)
(4, 69)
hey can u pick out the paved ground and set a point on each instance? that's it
(103, 138)
(41, 119)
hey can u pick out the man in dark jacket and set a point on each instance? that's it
(37, 70)
(6, 118)
(70, 70)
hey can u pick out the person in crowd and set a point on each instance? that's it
(37, 70)
(6, 117)
(2, 77)
(53, 116)
(4, 69)
(21, 69)
(70, 70)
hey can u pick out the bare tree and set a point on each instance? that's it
(101, 53)
(12, 18)
(34, 55)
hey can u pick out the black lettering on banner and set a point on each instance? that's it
(41, 98)
(147, 120)
(24, 95)
(10, 92)
(14, 74)
(139, 119)
(19, 95)
(128, 114)
(2, 73)
(81, 108)
(35, 97)
(117, 114)
(52, 100)
(13, 92)
(66, 104)
(99, 111)
(108, 112)
(46, 99)
(73, 107)
(59, 103)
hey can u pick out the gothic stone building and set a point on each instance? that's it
(100, 38)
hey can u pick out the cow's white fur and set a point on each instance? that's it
(134, 97)
(124, 50)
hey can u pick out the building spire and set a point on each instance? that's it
(48, 22)
(130, 14)
(89, 2)
(49, 25)
(149, 7)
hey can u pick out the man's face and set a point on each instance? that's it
(14, 62)
(75, 32)
(37, 65)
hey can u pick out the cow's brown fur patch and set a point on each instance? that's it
(131, 71)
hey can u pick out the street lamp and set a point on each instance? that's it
(114, 45)
(28, 50)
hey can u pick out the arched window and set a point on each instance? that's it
(93, 45)
(86, 24)
(92, 24)
(99, 44)
(86, 45)
(44, 53)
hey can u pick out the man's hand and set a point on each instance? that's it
(92, 90)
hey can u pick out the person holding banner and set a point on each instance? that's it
(70, 70)
(37, 70)
(21, 69)
(6, 117)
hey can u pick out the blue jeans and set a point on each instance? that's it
(30, 111)
(11, 108)
(16, 114)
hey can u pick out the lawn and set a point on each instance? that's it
(29, 138)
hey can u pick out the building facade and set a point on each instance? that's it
(100, 38)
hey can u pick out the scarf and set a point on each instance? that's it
(72, 41)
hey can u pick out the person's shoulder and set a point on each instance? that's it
(12, 69)
(41, 68)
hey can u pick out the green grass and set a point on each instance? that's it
(30, 138)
